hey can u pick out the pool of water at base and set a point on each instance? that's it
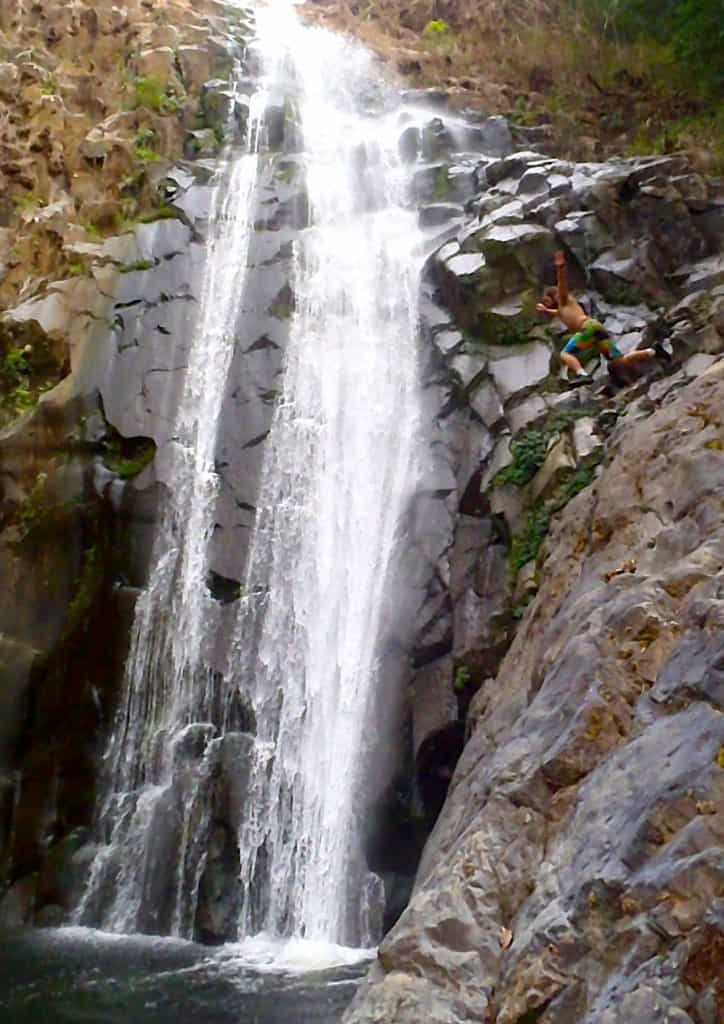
(79, 976)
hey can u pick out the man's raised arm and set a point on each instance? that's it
(562, 275)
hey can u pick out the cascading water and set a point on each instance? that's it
(166, 688)
(339, 469)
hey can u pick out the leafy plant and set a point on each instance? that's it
(436, 29)
(525, 544)
(529, 453)
(153, 95)
(462, 678)
(50, 88)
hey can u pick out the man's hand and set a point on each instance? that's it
(547, 309)
(562, 275)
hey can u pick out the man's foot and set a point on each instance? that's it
(580, 379)
(662, 353)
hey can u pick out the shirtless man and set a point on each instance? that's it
(588, 333)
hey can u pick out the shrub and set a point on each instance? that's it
(529, 453)
(524, 545)
(152, 94)
(436, 29)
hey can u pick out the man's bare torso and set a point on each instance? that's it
(572, 315)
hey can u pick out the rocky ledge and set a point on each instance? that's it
(570, 613)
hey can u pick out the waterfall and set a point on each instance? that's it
(167, 693)
(339, 470)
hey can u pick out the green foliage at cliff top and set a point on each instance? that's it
(693, 29)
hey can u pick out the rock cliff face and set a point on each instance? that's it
(574, 873)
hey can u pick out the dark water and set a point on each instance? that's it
(81, 977)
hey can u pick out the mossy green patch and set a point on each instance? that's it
(526, 543)
(164, 212)
(130, 268)
(441, 189)
(87, 587)
(529, 452)
(128, 456)
(154, 95)
(462, 678)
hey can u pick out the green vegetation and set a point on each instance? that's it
(27, 368)
(37, 515)
(529, 453)
(163, 212)
(50, 88)
(436, 30)
(30, 202)
(691, 30)
(89, 583)
(525, 545)
(462, 678)
(442, 185)
(639, 75)
(128, 456)
(154, 95)
(144, 147)
(130, 268)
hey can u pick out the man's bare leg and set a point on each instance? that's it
(639, 355)
(572, 363)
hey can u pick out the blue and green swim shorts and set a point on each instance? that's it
(593, 333)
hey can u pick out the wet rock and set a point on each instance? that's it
(439, 213)
(704, 275)
(17, 904)
(217, 103)
(485, 401)
(433, 704)
(409, 144)
(436, 139)
(493, 137)
(17, 660)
